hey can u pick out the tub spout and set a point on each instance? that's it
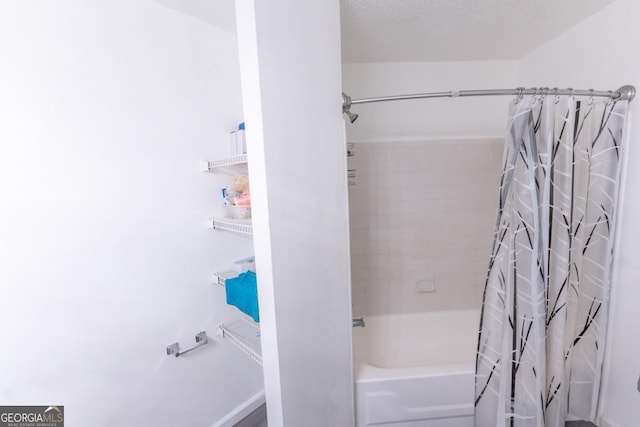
(359, 322)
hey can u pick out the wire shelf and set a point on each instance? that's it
(230, 225)
(233, 163)
(245, 335)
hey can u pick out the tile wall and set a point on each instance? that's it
(422, 215)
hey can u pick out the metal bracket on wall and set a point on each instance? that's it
(201, 339)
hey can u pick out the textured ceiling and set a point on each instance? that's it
(453, 30)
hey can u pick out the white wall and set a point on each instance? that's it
(106, 109)
(600, 53)
(427, 118)
(291, 78)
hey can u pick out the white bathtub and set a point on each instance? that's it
(416, 370)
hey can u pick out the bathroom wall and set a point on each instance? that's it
(423, 207)
(601, 53)
(106, 110)
(291, 78)
(422, 215)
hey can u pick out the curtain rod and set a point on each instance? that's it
(624, 93)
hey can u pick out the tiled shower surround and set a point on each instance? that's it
(422, 214)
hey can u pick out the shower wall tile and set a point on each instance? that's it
(422, 210)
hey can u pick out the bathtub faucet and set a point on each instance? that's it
(358, 322)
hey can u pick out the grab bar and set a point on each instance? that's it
(201, 339)
(358, 323)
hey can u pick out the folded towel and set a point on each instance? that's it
(242, 292)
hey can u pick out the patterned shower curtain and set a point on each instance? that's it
(544, 314)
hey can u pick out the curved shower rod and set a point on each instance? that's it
(624, 93)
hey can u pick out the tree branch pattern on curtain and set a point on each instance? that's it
(544, 313)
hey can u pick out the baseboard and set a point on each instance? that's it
(235, 416)
(606, 422)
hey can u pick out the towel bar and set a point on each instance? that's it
(201, 339)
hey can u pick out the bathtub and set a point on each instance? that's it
(416, 370)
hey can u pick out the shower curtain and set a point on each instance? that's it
(543, 322)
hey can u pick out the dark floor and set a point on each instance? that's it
(258, 418)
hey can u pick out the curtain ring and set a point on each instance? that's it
(520, 94)
(556, 92)
(592, 94)
(535, 98)
(610, 98)
(570, 89)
